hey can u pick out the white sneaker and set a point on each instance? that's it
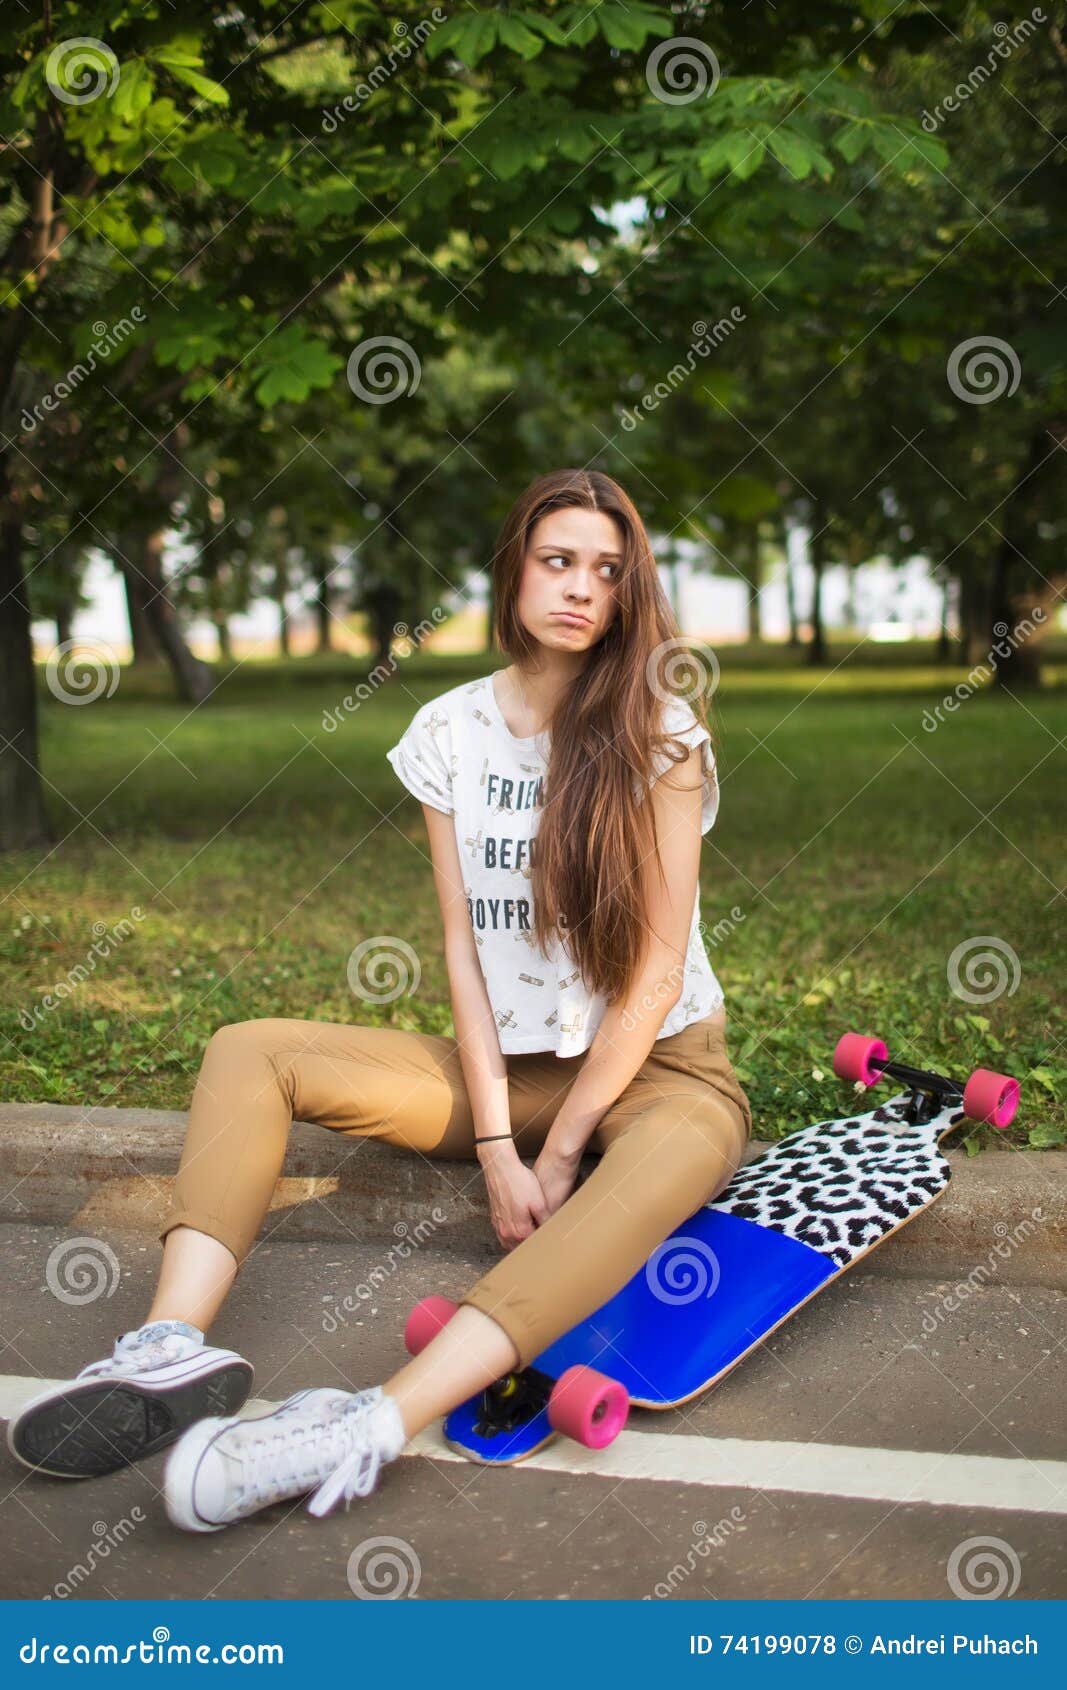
(158, 1380)
(224, 1470)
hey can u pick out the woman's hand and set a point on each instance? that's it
(557, 1172)
(516, 1201)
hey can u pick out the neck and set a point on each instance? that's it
(538, 690)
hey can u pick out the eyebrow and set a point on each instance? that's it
(568, 551)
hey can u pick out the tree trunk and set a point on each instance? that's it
(143, 643)
(1016, 653)
(382, 602)
(791, 593)
(973, 619)
(281, 584)
(23, 819)
(817, 558)
(222, 633)
(142, 564)
(944, 640)
(65, 623)
(322, 612)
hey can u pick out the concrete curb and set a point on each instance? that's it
(1003, 1217)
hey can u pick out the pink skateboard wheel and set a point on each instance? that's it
(991, 1097)
(425, 1322)
(588, 1406)
(858, 1057)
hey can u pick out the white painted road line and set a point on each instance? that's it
(839, 1470)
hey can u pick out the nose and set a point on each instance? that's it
(577, 587)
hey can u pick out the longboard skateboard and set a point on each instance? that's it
(786, 1226)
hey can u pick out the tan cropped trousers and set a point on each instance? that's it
(668, 1144)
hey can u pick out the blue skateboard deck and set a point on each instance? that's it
(786, 1226)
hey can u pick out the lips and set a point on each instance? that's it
(573, 618)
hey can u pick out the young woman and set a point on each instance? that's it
(565, 798)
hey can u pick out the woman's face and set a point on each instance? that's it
(571, 569)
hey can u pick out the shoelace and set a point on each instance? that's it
(292, 1456)
(153, 1353)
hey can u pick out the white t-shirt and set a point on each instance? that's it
(459, 756)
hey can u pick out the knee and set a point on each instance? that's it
(238, 1040)
(688, 1154)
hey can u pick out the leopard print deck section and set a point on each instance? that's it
(840, 1186)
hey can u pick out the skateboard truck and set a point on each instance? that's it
(984, 1097)
(513, 1400)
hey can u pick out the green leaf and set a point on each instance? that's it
(746, 166)
(521, 40)
(852, 141)
(511, 153)
(1043, 1078)
(797, 156)
(1046, 1137)
(213, 92)
(291, 363)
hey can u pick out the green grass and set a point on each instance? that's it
(260, 849)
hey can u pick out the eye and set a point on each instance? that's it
(558, 557)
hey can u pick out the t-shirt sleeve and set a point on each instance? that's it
(681, 723)
(421, 759)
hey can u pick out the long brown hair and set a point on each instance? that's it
(594, 835)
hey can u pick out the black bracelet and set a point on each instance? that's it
(489, 1138)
